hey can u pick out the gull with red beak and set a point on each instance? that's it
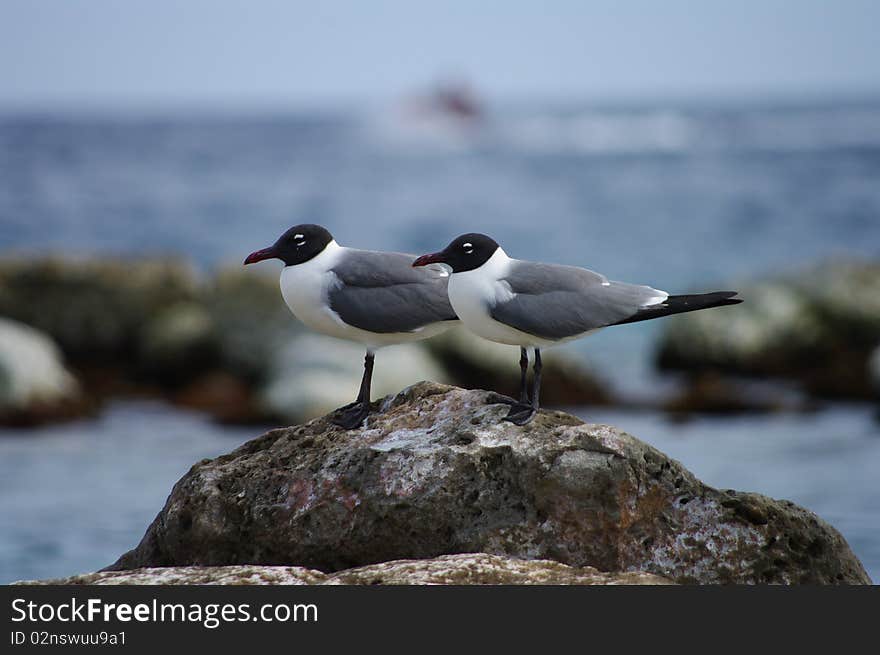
(533, 305)
(374, 298)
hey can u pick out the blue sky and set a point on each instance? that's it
(267, 53)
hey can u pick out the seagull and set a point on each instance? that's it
(374, 298)
(535, 305)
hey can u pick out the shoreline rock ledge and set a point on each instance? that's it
(436, 472)
(468, 568)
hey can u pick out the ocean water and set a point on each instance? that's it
(76, 496)
(688, 197)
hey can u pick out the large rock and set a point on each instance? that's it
(437, 472)
(817, 327)
(471, 568)
(35, 386)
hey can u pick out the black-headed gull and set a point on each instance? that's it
(534, 305)
(374, 298)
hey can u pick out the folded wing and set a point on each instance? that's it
(557, 302)
(383, 293)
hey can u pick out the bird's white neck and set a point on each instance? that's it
(493, 267)
(323, 261)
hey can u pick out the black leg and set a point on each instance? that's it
(367, 380)
(352, 415)
(536, 380)
(523, 372)
(523, 411)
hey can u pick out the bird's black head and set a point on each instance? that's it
(296, 246)
(467, 252)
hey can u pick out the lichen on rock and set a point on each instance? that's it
(463, 569)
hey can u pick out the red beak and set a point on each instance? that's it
(260, 255)
(433, 258)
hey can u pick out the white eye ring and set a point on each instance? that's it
(468, 248)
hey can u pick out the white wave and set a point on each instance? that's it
(601, 132)
(593, 131)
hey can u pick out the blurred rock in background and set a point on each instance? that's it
(99, 312)
(875, 369)
(226, 343)
(313, 374)
(710, 392)
(35, 386)
(474, 363)
(817, 327)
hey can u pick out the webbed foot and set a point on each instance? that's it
(493, 398)
(351, 417)
(520, 414)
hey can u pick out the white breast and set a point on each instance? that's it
(305, 287)
(472, 293)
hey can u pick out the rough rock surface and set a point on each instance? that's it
(470, 568)
(437, 472)
(817, 327)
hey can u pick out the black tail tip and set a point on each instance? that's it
(728, 297)
(693, 302)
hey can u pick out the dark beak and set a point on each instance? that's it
(433, 258)
(260, 255)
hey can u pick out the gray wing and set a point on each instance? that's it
(381, 292)
(555, 302)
